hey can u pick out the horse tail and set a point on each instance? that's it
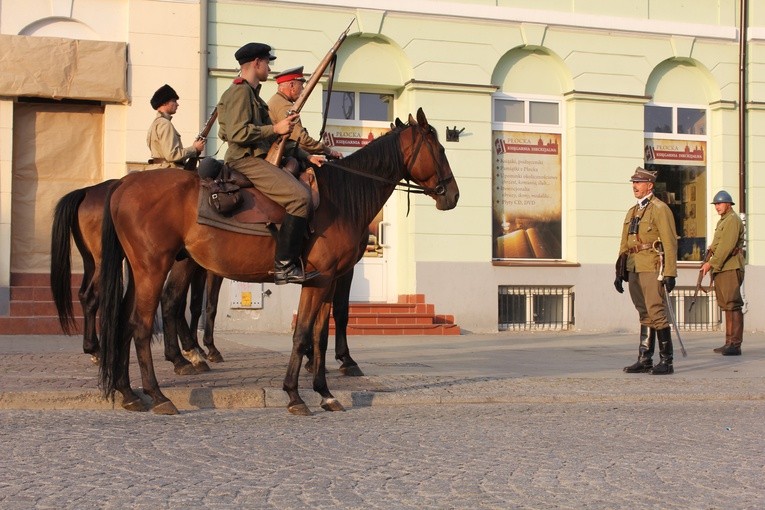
(114, 352)
(64, 221)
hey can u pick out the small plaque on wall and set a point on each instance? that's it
(245, 295)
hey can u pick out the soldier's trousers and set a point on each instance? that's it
(276, 184)
(647, 294)
(728, 289)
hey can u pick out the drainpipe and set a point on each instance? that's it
(742, 100)
(203, 68)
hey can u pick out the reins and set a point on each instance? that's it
(439, 189)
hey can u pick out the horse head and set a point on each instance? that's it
(426, 162)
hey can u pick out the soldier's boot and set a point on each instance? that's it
(728, 329)
(644, 362)
(288, 268)
(737, 334)
(664, 337)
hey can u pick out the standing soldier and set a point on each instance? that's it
(163, 140)
(649, 241)
(244, 123)
(727, 266)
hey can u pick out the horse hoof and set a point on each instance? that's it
(215, 357)
(94, 359)
(185, 369)
(332, 404)
(136, 405)
(166, 408)
(352, 371)
(201, 367)
(300, 410)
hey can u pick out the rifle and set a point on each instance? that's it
(276, 152)
(707, 256)
(191, 163)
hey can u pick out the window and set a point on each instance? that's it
(676, 147)
(535, 308)
(360, 106)
(527, 202)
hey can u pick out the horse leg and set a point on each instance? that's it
(214, 283)
(320, 335)
(148, 289)
(173, 320)
(340, 307)
(88, 295)
(130, 399)
(187, 333)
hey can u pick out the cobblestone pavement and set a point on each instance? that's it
(477, 421)
(496, 456)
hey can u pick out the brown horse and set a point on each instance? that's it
(79, 215)
(142, 225)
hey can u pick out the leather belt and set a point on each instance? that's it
(640, 247)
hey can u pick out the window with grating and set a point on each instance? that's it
(535, 308)
(704, 315)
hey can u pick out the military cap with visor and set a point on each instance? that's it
(643, 175)
(296, 73)
(252, 51)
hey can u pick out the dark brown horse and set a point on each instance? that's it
(79, 215)
(150, 231)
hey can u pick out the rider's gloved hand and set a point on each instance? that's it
(618, 285)
(669, 283)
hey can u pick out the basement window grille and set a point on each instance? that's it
(524, 308)
(705, 314)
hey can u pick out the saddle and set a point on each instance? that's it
(229, 201)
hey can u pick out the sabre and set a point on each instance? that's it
(674, 321)
(657, 246)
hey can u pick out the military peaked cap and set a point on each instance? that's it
(251, 51)
(643, 175)
(296, 73)
(163, 94)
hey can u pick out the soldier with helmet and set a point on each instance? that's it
(727, 265)
(244, 123)
(163, 139)
(649, 244)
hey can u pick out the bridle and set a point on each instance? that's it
(439, 189)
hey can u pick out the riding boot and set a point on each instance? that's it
(737, 333)
(288, 267)
(645, 351)
(664, 367)
(728, 330)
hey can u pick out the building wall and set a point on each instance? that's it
(605, 60)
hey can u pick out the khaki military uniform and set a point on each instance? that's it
(727, 261)
(165, 144)
(279, 107)
(643, 262)
(244, 123)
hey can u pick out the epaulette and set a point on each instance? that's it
(238, 80)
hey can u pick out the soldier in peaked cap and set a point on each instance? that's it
(648, 228)
(290, 86)
(244, 123)
(163, 139)
(727, 266)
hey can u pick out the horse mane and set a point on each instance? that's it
(357, 196)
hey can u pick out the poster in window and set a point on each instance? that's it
(526, 196)
(347, 140)
(675, 152)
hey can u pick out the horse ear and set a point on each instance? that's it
(398, 123)
(421, 119)
(412, 122)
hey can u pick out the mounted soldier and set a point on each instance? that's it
(163, 139)
(244, 123)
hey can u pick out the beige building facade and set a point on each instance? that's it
(545, 108)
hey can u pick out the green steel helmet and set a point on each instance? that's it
(723, 197)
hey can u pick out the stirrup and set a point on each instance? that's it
(292, 273)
